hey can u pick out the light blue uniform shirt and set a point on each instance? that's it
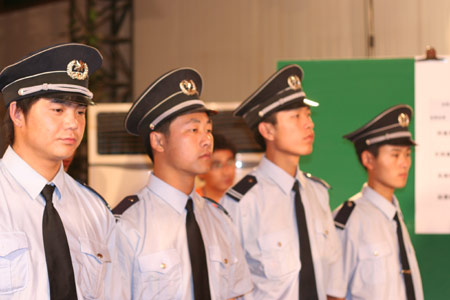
(153, 250)
(371, 253)
(87, 222)
(266, 220)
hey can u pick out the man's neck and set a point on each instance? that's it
(384, 191)
(46, 168)
(180, 180)
(289, 163)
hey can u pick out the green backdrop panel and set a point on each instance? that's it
(350, 93)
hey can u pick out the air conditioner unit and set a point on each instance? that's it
(118, 165)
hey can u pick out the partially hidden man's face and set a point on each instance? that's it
(223, 170)
(52, 129)
(294, 131)
(190, 143)
(391, 167)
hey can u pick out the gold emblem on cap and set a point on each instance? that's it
(403, 120)
(294, 82)
(77, 69)
(188, 87)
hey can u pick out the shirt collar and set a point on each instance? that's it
(387, 208)
(27, 177)
(278, 175)
(169, 194)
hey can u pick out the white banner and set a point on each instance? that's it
(432, 134)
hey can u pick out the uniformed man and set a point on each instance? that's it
(54, 232)
(283, 214)
(172, 243)
(379, 259)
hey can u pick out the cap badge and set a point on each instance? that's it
(403, 120)
(294, 82)
(77, 69)
(188, 87)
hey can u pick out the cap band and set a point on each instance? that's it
(55, 87)
(279, 102)
(388, 136)
(175, 109)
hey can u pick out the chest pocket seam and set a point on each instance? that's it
(14, 261)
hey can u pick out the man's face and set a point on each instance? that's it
(391, 167)
(221, 175)
(294, 131)
(188, 146)
(52, 130)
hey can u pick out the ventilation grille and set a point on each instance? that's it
(112, 137)
(236, 130)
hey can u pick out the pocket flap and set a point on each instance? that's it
(161, 262)
(274, 241)
(221, 255)
(95, 249)
(12, 241)
(374, 250)
(322, 228)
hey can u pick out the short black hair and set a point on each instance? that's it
(161, 128)
(375, 149)
(222, 143)
(23, 105)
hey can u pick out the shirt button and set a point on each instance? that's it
(279, 244)
(225, 261)
(163, 266)
(375, 253)
(99, 255)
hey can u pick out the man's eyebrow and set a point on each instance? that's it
(67, 103)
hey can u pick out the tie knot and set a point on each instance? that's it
(296, 186)
(47, 192)
(190, 205)
(396, 217)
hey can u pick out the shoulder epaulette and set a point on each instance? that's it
(344, 214)
(217, 204)
(125, 204)
(317, 179)
(242, 187)
(95, 192)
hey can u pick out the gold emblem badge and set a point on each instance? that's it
(294, 82)
(403, 120)
(77, 69)
(188, 87)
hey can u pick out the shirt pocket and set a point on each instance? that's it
(160, 274)
(14, 262)
(277, 254)
(374, 262)
(322, 236)
(94, 257)
(223, 266)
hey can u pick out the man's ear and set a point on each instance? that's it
(367, 159)
(157, 141)
(267, 130)
(16, 114)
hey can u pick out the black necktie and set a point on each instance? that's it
(308, 289)
(406, 271)
(197, 254)
(57, 254)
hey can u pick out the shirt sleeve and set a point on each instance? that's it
(241, 283)
(349, 256)
(124, 244)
